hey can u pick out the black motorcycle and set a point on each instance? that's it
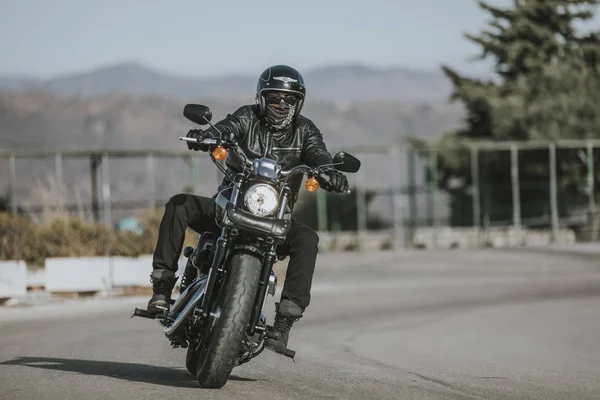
(219, 316)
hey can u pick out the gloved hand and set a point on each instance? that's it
(335, 180)
(197, 134)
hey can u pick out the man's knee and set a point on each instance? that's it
(178, 200)
(184, 203)
(307, 236)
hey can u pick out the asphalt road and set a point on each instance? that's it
(412, 325)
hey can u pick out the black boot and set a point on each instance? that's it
(189, 275)
(286, 314)
(161, 299)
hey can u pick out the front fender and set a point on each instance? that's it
(248, 249)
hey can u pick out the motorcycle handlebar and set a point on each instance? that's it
(208, 141)
(232, 145)
(298, 169)
(223, 143)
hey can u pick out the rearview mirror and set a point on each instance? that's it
(197, 113)
(346, 162)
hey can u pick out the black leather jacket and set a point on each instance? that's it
(299, 143)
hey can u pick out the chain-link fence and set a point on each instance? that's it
(412, 196)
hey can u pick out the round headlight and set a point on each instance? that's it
(261, 199)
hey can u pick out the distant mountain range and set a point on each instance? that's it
(334, 83)
(129, 106)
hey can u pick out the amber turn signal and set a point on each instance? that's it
(220, 153)
(312, 184)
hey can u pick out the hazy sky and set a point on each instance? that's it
(199, 37)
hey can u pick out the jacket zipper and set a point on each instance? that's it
(285, 148)
(267, 146)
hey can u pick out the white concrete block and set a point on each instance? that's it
(77, 274)
(13, 278)
(127, 271)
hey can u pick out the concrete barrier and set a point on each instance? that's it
(98, 274)
(81, 274)
(36, 277)
(101, 274)
(496, 237)
(127, 271)
(13, 279)
(335, 242)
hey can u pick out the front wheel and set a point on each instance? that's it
(214, 369)
(191, 360)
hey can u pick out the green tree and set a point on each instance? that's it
(546, 87)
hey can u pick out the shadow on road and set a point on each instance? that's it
(126, 371)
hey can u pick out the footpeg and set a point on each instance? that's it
(138, 312)
(290, 353)
(287, 352)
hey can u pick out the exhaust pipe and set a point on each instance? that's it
(195, 292)
(185, 296)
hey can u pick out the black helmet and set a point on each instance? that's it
(280, 78)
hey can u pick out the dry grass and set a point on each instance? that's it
(68, 236)
(16, 237)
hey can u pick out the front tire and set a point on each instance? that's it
(214, 369)
(191, 360)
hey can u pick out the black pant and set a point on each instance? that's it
(197, 212)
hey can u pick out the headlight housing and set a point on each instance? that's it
(261, 199)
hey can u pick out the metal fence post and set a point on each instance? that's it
(13, 183)
(106, 200)
(553, 192)
(591, 190)
(59, 181)
(412, 201)
(361, 207)
(322, 211)
(514, 178)
(150, 181)
(433, 187)
(486, 196)
(94, 184)
(476, 192)
(397, 200)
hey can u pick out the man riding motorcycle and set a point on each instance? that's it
(271, 128)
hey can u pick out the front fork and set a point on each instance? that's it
(267, 267)
(221, 250)
(221, 255)
(263, 285)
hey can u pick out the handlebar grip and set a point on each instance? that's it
(324, 177)
(208, 141)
